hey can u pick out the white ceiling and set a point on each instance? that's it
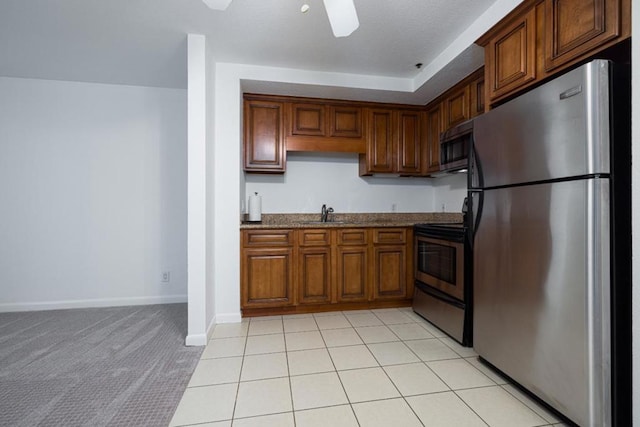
(143, 42)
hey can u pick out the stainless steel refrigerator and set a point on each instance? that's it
(550, 194)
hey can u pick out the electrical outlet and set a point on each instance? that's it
(166, 276)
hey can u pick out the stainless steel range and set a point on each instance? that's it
(443, 291)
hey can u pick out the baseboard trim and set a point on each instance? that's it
(228, 318)
(211, 327)
(103, 302)
(196, 340)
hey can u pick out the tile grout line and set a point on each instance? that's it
(235, 402)
(391, 381)
(286, 356)
(366, 345)
(344, 390)
(527, 405)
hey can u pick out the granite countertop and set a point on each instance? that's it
(271, 221)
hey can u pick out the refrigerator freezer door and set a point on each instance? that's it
(541, 302)
(555, 131)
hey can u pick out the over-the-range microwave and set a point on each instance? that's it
(455, 145)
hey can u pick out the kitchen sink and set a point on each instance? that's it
(320, 222)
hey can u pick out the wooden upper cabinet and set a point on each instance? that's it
(476, 95)
(460, 103)
(510, 55)
(307, 119)
(432, 137)
(394, 141)
(409, 142)
(324, 126)
(380, 146)
(264, 149)
(542, 38)
(574, 27)
(345, 121)
(457, 107)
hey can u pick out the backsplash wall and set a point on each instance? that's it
(449, 191)
(314, 179)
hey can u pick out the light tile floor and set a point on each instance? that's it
(365, 368)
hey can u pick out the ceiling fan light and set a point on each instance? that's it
(217, 4)
(342, 17)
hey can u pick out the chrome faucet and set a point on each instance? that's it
(324, 213)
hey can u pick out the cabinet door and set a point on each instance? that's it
(510, 55)
(267, 277)
(432, 138)
(263, 140)
(351, 273)
(345, 121)
(308, 119)
(456, 107)
(476, 92)
(314, 275)
(575, 27)
(380, 143)
(409, 142)
(390, 274)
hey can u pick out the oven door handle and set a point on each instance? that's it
(439, 294)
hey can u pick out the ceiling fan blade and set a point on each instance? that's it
(217, 4)
(342, 17)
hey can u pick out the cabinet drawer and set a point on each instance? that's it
(258, 238)
(314, 237)
(352, 237)
(389, 235)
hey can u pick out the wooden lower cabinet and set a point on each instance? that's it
(389, 272)
(306, 270)
(267, 277)
(391, 266)
(314, 275)
(351, 274)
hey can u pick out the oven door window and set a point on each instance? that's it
(440, 264)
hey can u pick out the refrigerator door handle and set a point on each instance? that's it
(476, 212)
(476, 180)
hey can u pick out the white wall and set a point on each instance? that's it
(226, 190)
(229, 189)
(92, 180)
(210, 77)
(313, 179)
(449, 192)
(197, 189)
